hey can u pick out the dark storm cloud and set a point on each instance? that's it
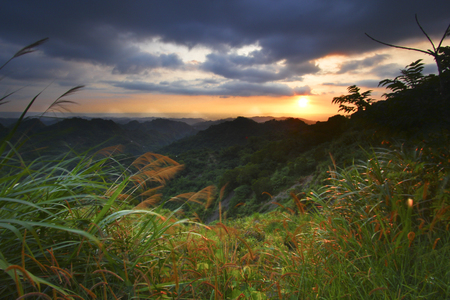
(230, 88)
(292, 32)
(37, 68)
(253, 69)
(144, 61)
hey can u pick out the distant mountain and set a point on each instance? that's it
(206, 124)
(151, 135)
(197, 123)
(189, 121)
(3, 131)
(125, 120)
(30, 126)
(268, 118)
(82, 134)
(8, 121)
(165, 130)
(235, 132)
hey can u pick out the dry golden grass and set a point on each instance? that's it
(203, 197)
(110, 151)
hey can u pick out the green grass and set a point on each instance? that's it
(86, 226)
(69, 225)
(368, 241)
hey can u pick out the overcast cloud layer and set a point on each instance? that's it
(102, 43)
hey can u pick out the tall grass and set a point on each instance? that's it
(379, 229)
(69, 227)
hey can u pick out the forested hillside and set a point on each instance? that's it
(82, 135)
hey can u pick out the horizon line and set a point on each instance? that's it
(209, 116)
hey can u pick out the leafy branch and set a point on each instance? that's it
(359, 101)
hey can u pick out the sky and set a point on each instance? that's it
(210, 58)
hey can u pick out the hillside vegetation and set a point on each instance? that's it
(367, 216)
(82, 134)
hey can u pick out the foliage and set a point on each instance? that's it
(357, 101)
(410, 78)
(361, 237)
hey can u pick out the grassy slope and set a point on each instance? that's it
(379, 228)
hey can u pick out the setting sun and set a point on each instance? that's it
(302, 102)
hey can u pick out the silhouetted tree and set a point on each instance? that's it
(436, 52)
(410, 78)
(357, 100)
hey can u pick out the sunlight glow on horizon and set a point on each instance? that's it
(318, 108)
(303, 101)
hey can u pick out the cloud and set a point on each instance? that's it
(256, 67)
(228, 88)
(297, 31)
(370, 83)
(387, 71)
(338, 83)
(356, 65)
(290, 35)
(303, 90)
(145, 61)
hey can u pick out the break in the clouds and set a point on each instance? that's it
(167, 46)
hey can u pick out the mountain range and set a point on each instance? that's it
(141, 135)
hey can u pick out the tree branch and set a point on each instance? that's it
(423, 31)
(446, 33)
(400, 47)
